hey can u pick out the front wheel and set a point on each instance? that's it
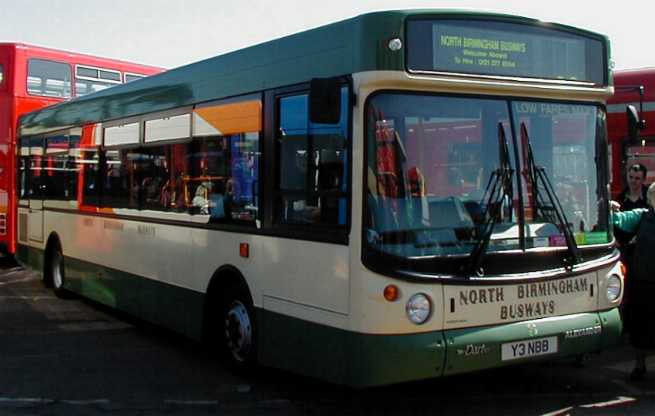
(238, 331)
(233, 327)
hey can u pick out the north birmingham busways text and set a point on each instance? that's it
(534, 306)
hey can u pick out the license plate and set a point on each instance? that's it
(528, 348)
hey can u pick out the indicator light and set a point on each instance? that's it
(244, 250)
(391, 293)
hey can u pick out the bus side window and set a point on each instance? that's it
(56, 176)
(312, 187)
(156, 179)
(120, 185)
(88, 162)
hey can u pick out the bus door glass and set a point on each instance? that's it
(36, 183)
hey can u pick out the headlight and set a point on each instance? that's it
(418, 308)
(613, 288)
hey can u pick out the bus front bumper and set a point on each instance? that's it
(387, 359)
(541, 339)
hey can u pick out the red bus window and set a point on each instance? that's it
(48, 78)
(1, 74)
(89, 79)
(132, 77)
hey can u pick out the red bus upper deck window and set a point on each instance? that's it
(48, 78)
(90, 79)
(1, 74)
(133, 77)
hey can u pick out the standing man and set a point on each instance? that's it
(634, 195)
(642, 275)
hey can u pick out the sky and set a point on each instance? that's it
(170, 33)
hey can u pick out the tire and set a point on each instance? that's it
(233, 330)
(55, 273)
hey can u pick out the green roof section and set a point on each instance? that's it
(349, 46)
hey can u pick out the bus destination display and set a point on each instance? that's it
(505, 49)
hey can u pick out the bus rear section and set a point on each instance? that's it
(38, 77)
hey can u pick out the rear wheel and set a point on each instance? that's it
(54, 276)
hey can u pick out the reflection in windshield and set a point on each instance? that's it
(431, 159)
(564, 139)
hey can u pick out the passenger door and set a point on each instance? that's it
(308, 209)
(35, 191)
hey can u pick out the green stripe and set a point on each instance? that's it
(173, 307)
(478, 348)
(362, 360)
(346, 357)
(30, 257)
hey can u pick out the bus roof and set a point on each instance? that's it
(69, 54)
(349, 46)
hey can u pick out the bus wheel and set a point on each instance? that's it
(56, 273)
(237, 329)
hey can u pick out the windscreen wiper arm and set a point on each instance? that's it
(553, 212)
(499, 189)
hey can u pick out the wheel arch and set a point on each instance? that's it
(226, 276)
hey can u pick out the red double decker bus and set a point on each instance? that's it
(32, 77)
(634, 87)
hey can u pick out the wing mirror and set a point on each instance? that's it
(325, 100)
(634, 123)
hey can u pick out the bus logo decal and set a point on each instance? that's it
(472, 350)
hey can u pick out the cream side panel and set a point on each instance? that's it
(50, 203)
(303, 279)
(159, 252)
(299, 278)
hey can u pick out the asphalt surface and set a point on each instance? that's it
(74, 357)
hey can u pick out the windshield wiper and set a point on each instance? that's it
(497, 193)
(550, 210)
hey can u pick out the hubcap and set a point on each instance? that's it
(238, 331)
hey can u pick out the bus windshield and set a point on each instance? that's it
(434, 163)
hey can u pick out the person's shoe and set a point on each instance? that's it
(638, 374)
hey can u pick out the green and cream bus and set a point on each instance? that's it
(398, 196)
